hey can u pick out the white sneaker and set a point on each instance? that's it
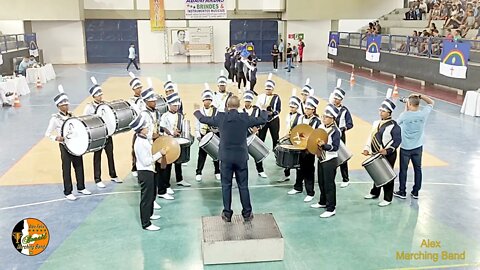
(170, 191)
(71, 197)
(327, 214)
(308, 199)
(384, 203)
(155, 217)
(156, 206)
(185, 164)
(263, 175)
(134, 174)
(218, 176)
(166, 196)
(369, 196)
(293, 192)
(317, 205)
(198, 177)
(117, 180)
(85, 192)
(285, 179)
(183, 183)
(152, 228)
(344, 184)
(100, 185)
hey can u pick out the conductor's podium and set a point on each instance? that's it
(259, 240)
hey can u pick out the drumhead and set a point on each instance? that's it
(76, 136)
(205, 139)
(370, 159)
(250, 139)
(107, 113)
(182, 141)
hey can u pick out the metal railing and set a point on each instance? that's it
(430, 47)
(15, 42)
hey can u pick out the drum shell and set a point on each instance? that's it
(343, 154)
(257, 148)
(210, 143)
(123, 112)
(161, 105)
(96, 131)
(186, 130)
(287, 158)
(184, 152)
(379, 170)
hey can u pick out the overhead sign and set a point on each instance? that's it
(205, 9)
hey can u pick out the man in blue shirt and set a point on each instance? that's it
(412, 122)
(22, 67)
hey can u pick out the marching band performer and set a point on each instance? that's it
(274, 104)
(344, 122)
(202, 129)
(327, 162)
(385, 139)
(251, 74)
(146, 172)
(307, 91)
(152, 121)
(253, 111)
(307, 161)
(221, 97)
(138, 105)
(293, 119)
(97, 95)
(171, 124)
(169, 88)
(55, 125)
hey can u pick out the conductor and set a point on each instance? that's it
(233, 152)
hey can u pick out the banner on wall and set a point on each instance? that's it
(296, 36)
(203, 9)
(31, 40)
(190, 41)
(454, 60)
(372, 54)
(157, 15)
(333, 43)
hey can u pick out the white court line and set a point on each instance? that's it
(188, 189)
(104, 73)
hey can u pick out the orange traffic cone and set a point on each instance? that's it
(39, 83)
(395, 91)
(352, 79)
(16, 102)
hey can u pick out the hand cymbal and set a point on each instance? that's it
(170, 145)
(317, 135)
(299, 135)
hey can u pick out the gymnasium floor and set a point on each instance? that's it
(103, 231)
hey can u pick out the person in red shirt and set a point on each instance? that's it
(301, 45)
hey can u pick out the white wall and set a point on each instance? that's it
(316, 37)
(62, 42)
(352, 25)
(108, 4)
(12, 27)
(151, 45)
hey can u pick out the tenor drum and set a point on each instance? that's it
(287, 156)
(184, 150)
(343, 154)
(162, 105)
(379, 170)
(210, 143)
(257, 148)
(186, 133)
(117, 115)
(84, 134)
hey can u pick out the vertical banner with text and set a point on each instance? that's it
(333, 43)
(157, 15)
(454, 61)
(372, 53)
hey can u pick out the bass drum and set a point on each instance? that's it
(379, 170)
(287, 156)
(257, 148)
(117, 115)
(210, 143)
(84, 134)
(184, 150)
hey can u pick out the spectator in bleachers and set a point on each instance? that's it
(456, 18)
(378, 28)
(457, 36)
(422, 9)
(449, 35)
(413, 42)
(467, 23)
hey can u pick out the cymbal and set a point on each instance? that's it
(317, 135)
(299, 135)
(170, 145)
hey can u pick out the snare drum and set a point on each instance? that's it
(343, 154)
(379, 170)
(84, 134)
(162, 105)
(184, 150)
(186, 134)
(117, 115)
(287, 156)
(257, 148)
(210, 143)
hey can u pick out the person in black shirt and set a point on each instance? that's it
(226, 64)
(289, 57)
(240, 72)
(275, 53)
